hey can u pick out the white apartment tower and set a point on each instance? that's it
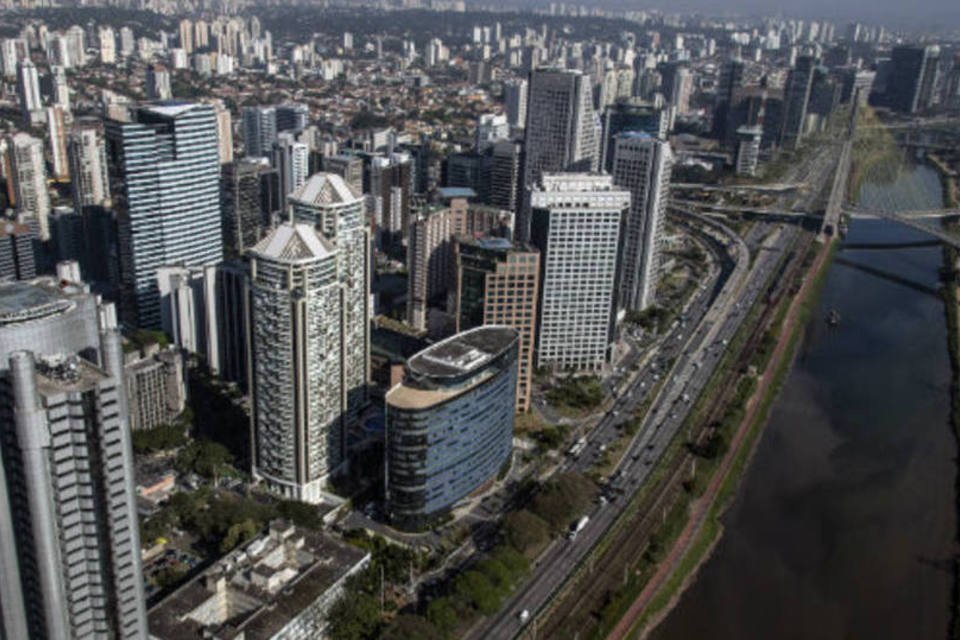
(30, 181)
(642, 165)
(88, 166)
(309, 337)
(562, 130)
(575, 222)
(108, 45)
(28, 90)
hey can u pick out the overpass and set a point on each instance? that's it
(915, 220)
(772, 188)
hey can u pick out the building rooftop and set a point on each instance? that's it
(467, 351)
(293, 243)
(168, 108)
(256, 590)
(325, 189)
(39, 298)
(63, 375)
(446, 193)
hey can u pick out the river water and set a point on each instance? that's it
(844, 524)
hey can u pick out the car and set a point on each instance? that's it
(524, 616)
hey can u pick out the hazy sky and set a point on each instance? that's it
(941, 14)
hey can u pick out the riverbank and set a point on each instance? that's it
(704, 529)
(951, 302)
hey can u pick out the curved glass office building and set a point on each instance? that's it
(450, 423)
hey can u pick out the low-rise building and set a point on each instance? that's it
(156, 387)
(280, 586)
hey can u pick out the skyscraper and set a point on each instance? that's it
(165, 179)
(291, 159)
(59, 89)
(69, 541)
(108, 45)
(630, 115)
(497, 283)
(157, 80)
(309, 337)
(641, 165)
(57, 138)
(913, 70)
(30, 181)
(28, 90)
(796, 97)
(244, 221)
(561, 131)
(259, 131)
(515, 93)
(89, 177)
(575, 223)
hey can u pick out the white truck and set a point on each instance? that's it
(578, 526)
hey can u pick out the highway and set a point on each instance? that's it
(695, 362)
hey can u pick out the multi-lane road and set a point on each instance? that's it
(695, 355)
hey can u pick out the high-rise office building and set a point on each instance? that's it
(165, 180)
(157, 83)
(69, 541)
(87, 153)
(309, 337)
(502, 187)
(450, 423)
(291, 159)
(561, 131)
(347, 166)
(515, 94)
(630, 115)
(29, 178)
(731, 81)
(17, 248)
(575, 223)
(244, 221)
(28, 90)
(642, 165)
(259, 131)
(498, 283)
(57, 139)
(292, 116)
(205, 312)
(390, 184)
(796, 98)
(748, 150)
(913, 72)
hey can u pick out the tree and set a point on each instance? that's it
(300, 513)
(409, 627)
(475, 589)
(443, 615)
(206, 458)
(165, 436)
(525, 531)
(239, 533)
(356, 616)
(514, 562)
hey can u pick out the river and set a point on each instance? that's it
(844, 525)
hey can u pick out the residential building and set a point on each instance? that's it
(499, 284)
(642, 165)
(156, 387)
(515, 93)
(29, 181)
(89, 176)
(291, 159)
(69, 540)
(28, 90)
(347, 166)
(575, 223)
(158, 83)
(57, 139)
(165, 179)
(244, 220)
(449, 427)
(310, 337)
